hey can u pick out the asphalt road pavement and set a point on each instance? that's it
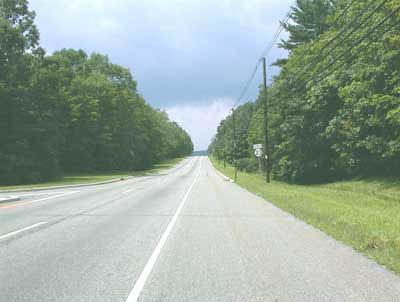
(185, 234)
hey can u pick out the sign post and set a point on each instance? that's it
(258, 153)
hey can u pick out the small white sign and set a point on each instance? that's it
(258, 152)
(257, 146)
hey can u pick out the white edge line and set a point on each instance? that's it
(223, 175)
(47, 198)
(22, 230)
(141, 281)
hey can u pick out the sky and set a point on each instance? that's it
(190, 58)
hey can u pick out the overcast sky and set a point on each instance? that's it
(189, 57)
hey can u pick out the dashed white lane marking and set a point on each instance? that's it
(126, 192)
(23, 229)
(141, 281)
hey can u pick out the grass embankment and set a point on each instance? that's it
(364, 214)
(86, 178)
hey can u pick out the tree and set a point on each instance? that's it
(19, 55)
(70, 111)
(334, 106)
(309, 19)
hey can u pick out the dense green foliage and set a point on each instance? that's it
(334, 108)
(310, 19)
(70, 112)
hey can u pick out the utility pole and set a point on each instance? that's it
(234, 142)
(224, 147)
(224, 159)
(267, 148)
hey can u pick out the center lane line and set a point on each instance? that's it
(141, 281)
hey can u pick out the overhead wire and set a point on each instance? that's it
(246, 87)
(355, 55)
(354, 45)
(348, 25)
(269, 47)
(335, 23)
(250, 80)
(344, 12)
(351, 23)
(337, 58)
(275, 37)
(364, 47)
(356, 28)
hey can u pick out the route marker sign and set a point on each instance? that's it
(258, 152)
(257, 146)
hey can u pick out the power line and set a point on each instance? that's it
(352, 46)
(355, 55)
(335, 23)
(250, 80)
(271, 44)
(356, 28)
(352, 22)
(246, 87)
(383, 21)
(278, 32)
(364, 47)
(343, 12)
(265, 53)
(275, 36)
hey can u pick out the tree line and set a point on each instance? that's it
(70, 111)
(334, 107)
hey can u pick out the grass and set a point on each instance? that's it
(85, 178)
(364, 214)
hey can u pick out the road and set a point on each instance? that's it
(183, 235)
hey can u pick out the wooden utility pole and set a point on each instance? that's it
(234, 142)
(267, 148)
(224, 147)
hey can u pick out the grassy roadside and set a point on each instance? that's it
(364, 214)
(86, 178)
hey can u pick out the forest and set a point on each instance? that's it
(334, 107)
(70, 111)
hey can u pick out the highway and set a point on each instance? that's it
(185, 234)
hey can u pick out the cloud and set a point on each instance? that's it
(190, 57)
(177, 50)
(201, 120)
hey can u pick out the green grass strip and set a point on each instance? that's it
(364, 214)
(87, 178)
